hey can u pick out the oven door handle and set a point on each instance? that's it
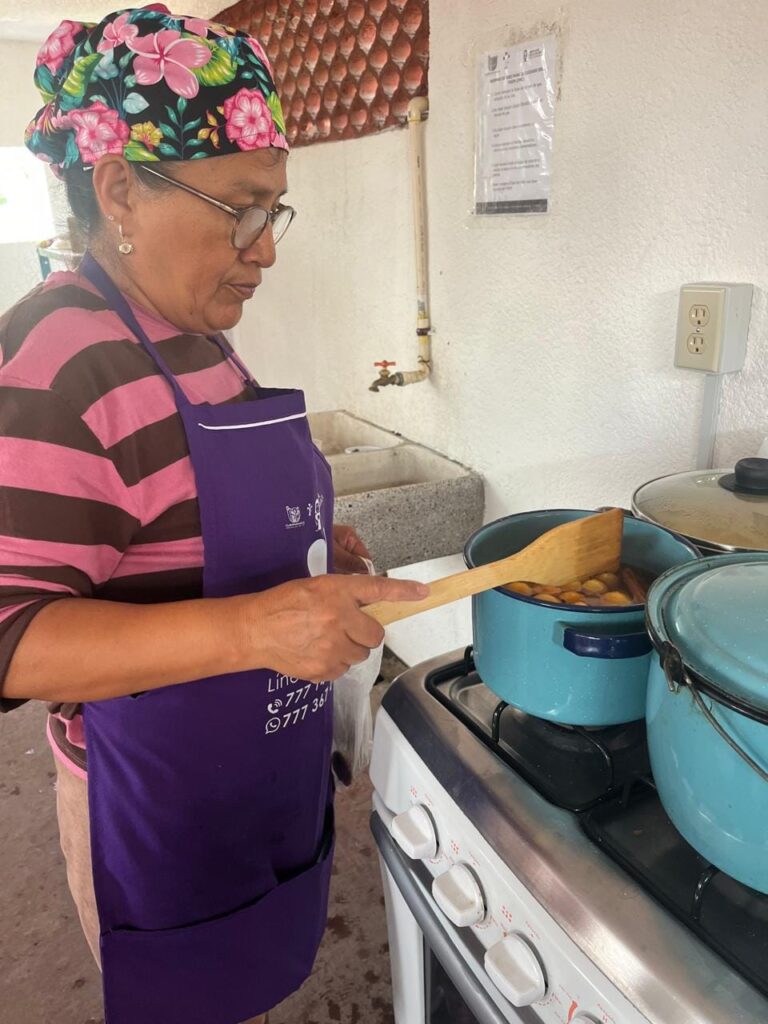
(438, 934)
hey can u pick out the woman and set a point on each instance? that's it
(161, 516)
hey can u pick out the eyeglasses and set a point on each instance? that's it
(250, 221)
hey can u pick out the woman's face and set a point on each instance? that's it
(183, 265)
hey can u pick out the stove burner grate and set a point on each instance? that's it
(732, 919)
(571, 766)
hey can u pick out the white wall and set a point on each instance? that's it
(553, 352)
(19, 100)
(33, 19)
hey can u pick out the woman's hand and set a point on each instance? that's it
(348, 551)
(314, 628)
(310, 628)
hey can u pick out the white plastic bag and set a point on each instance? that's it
(352, 717)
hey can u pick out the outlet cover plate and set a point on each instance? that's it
(712, 326)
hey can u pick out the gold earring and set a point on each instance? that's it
(126, 248)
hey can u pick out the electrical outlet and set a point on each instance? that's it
(699, 315)
(712, 327)
(696, 344)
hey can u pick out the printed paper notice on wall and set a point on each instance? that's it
(515, 124)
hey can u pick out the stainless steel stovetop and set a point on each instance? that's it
(660, 964)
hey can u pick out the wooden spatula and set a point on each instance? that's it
(572, 551)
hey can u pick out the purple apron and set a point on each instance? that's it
(211, 801)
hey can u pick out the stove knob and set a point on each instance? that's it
(583, 1018)
(415, 834)
(515, 970)
(458, 894)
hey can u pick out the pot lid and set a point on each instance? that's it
(721, 508)
(714, 612)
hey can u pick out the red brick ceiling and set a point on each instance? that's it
(343, 68)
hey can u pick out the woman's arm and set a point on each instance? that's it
(77, 649)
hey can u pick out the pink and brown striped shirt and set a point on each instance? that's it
(97, 492)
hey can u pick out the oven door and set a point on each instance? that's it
(438, 975)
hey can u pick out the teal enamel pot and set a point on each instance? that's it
(570, 664)
(707, 712)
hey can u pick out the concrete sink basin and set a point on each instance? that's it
(335, 432)
(409, 503)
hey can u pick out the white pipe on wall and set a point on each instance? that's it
(417, 112)
(705, 453)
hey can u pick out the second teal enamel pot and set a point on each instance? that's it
(707, 711)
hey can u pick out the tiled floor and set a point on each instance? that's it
(47, 975)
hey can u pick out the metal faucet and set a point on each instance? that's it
(385, 377)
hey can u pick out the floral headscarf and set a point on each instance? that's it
(152, 85)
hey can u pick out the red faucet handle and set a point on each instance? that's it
(385, 363)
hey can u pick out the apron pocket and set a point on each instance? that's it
(222, 971)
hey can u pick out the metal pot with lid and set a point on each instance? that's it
(707, 710)
(573, 665)
(718, 510)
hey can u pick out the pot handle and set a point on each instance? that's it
(609, 508)
(603, 645)
(732, 743)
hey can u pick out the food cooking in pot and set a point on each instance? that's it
(628, 586)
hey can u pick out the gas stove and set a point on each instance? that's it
(571, 766)
(531, 874)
